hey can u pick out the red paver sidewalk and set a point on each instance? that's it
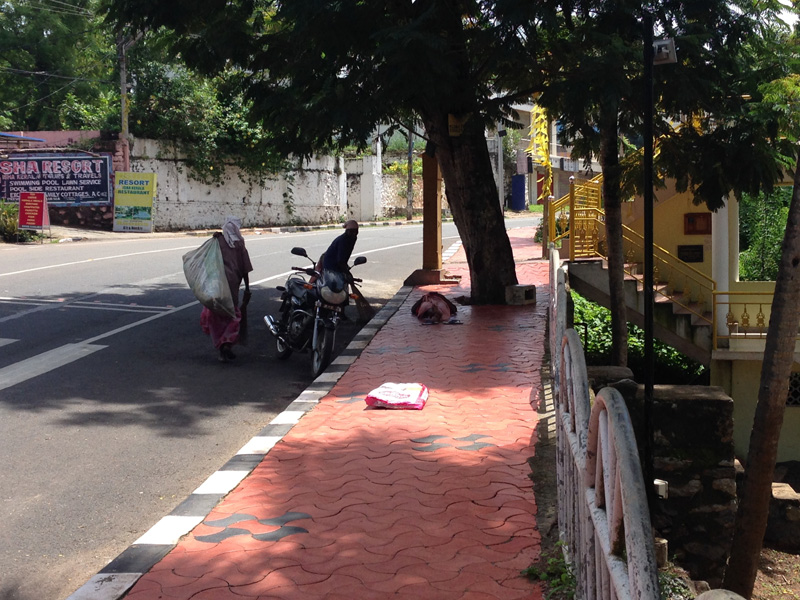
(359, 503)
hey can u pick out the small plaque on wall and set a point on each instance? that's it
(691, 254)
(697, 223)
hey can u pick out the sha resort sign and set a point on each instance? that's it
(66, 179)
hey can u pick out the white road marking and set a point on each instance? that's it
(44, 363)
(6, 341)
(100, 259)
(142, 322)
(58, 357)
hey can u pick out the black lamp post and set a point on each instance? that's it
(661, 52)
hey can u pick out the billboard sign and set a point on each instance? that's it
(68, 179)
(133, 201)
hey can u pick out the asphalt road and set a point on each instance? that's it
(113, 405)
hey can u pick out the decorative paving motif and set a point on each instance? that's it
(478, 367)
(431, 445)
(352, 399)
(394, 350)
(271, 536)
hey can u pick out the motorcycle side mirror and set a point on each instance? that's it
(299, 251)
(360, 260)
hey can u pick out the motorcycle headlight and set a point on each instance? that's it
(332, 297)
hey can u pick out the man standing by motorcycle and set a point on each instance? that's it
(338, 253)
(334, 261)
(309, 314)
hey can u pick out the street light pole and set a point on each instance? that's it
(649, 359)
(655, 53)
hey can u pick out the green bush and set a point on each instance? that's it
(9, 224)
(401, 168)
(593, 323)
(556, 573)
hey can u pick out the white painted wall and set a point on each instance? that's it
(323, 190)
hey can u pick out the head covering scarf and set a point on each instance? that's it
(231, 231)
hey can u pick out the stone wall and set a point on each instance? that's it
(693, 453)
(320, 190)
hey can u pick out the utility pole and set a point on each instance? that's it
(123, 44)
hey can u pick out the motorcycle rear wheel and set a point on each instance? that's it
(321, 353)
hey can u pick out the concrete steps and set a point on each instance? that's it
(679, 322)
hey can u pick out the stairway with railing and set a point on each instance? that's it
(684, 296)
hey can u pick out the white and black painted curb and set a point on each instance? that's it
(118, 576)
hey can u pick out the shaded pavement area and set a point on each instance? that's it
(357, 502)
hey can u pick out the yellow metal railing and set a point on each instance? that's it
(579, 217)
(673, 279)
(578, 211)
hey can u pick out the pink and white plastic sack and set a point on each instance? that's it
(411, 396)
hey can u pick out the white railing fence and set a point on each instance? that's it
(602, 514)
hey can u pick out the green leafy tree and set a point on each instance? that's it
(762, 223)
(208, 117)
(54, 55)
(725, 50)
(323, 74)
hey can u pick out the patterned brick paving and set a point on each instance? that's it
(361, 503)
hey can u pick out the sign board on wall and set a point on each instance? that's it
(68, 179)
(133, 201)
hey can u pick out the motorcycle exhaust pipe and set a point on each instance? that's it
(272, 325)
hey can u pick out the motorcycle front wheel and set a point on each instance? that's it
(322, 350)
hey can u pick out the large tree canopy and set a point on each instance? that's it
(323, 75)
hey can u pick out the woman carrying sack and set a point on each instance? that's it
(224, 329)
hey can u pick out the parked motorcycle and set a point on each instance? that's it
(311, 310)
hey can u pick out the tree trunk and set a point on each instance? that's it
(753, 510)
(609, 160)
(467, 173)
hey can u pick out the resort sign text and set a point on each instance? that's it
(67, 179)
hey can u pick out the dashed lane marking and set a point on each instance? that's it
(58, 357)
(44, 363)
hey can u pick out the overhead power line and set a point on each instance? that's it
(38, 100)
(52, 75)
(62, 8)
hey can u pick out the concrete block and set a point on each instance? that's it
(517, 295)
